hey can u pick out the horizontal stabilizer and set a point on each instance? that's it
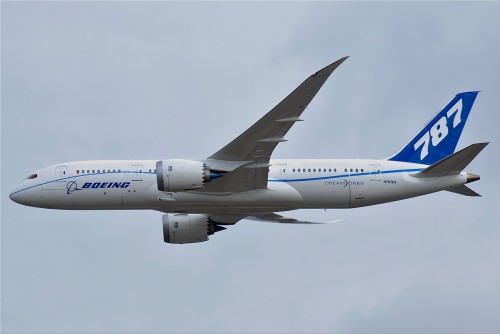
(463, 190)
(275, 218)
(454, 164)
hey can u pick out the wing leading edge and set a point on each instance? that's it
(250, 152)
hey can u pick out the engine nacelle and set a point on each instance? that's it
(188, 228)
(179, 175)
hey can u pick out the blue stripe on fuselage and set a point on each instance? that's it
(347, 175)
(270, 180)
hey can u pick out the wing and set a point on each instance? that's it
(275, 218)
(269, 217)
(246, 158)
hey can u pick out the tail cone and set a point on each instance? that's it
(472, 177)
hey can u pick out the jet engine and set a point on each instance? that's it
(188, 228)
(175, 175)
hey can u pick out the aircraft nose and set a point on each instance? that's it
(14, 195)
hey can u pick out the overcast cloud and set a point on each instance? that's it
(124, 80)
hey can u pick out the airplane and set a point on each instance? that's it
(241, 181)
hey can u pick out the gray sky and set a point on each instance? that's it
(122, 80)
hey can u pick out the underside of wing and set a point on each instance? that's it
(246, 159)
(268, 217)
(275, 218)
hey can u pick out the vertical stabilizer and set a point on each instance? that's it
(439, 138)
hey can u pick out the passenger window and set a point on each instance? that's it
(335, 170)
(345, 170)
(362, 170)
(309, 170)
(356, 170)
(351, 170)
(314, 170)
(93, 170)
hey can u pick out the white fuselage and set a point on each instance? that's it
(292, 184)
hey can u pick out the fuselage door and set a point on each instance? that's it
(356, 188)
(137, 172)
(375, 172)
(61, 173)
(281, 169)
(55, 179)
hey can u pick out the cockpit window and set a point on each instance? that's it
(32, 176)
